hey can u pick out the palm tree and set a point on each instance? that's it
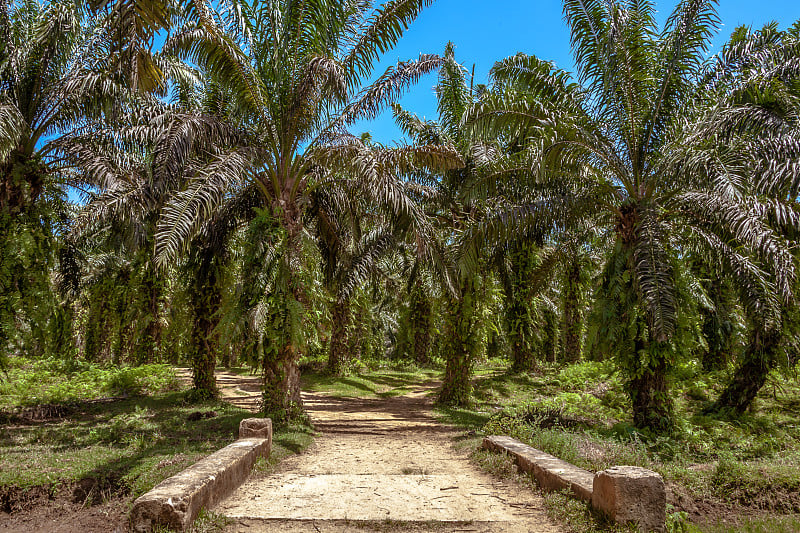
(294, 78)
(52, 85)
(351, 240)
(515, 262)
(446, 202)
(622, 153)
(774, 185)
(205, 272)
(414, 338)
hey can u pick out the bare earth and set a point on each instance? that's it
(378, 465)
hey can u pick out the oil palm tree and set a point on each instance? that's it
(773, 186)
(635, 150)
(415, 331)
(138, 164)
(515, 262)
(52, 85)
(445, 202)
(352, 239)
(295, 77)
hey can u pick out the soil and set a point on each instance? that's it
(382, 465)
(65, 508)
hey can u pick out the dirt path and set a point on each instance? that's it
(241, 390)
(380, 465)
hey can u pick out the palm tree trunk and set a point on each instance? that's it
(281, 396)
(759, 359)
(572, 326)
(460, 346)
(206, 299)
(154, 329)
(717, 328)
(21, 183)
(117, 345)
(339, 353)
(95, 334)
(228, 359)
(149, 345)
(203, 354)
(421, 325)
(118, 341)
(549, 346)
(647, 388)
(282, 401)
(647, 380)
(518, 319)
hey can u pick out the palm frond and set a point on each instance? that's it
(183, 217)
(653, 275)
(388, 88)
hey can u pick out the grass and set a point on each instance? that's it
(32, 382)
(781, 524)
(127, 445)
(745, 470)
(129, 428)
(206, 522)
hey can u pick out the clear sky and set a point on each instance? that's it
(484, 32)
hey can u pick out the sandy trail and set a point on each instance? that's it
(378, 465)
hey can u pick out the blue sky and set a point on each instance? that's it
(484, 32)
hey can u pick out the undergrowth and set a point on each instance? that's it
(397, 380)
(123, 445)
(744, 470)
(32, 382)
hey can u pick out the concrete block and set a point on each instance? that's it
(176, 502)
(260, 428)
(630, 494)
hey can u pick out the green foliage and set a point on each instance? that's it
(31, 382)
(621, 329)
(370, 384)
(32, 318)
(744, 464)
(132, 443)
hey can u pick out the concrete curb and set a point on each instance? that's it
(176, 501)
(626, 494)
(550, 472)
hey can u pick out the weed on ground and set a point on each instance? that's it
(94, 451)
(723, 473)
(380, 383)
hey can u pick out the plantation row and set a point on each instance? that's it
(641, 210)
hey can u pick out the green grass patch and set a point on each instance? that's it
(134, 442)
(769, 524)
(128, 444)
(31, 382)
(739, 467)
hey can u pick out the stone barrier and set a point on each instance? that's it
(631, 494)
(176, 501)
(550, 472)
(626, 494)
